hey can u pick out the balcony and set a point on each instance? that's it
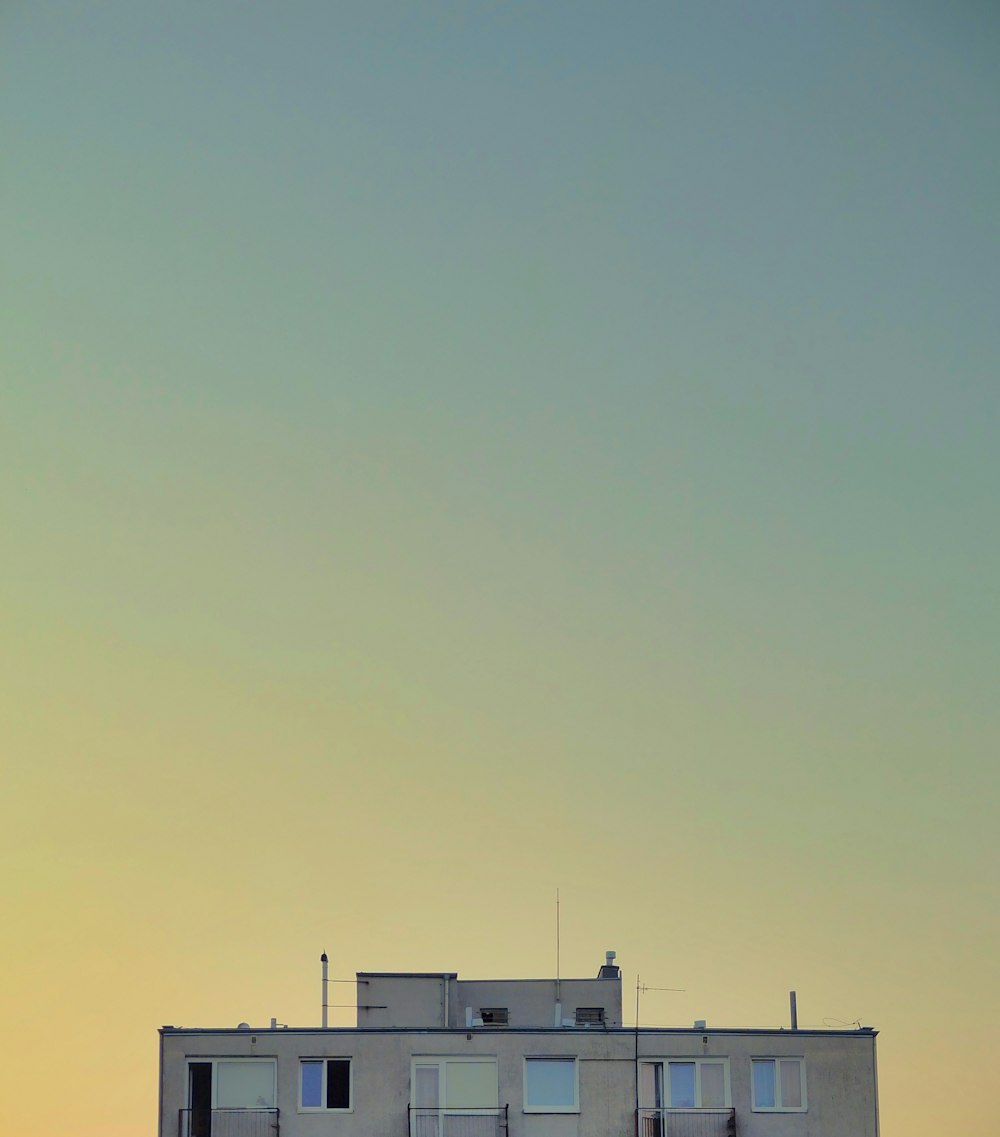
(429, 1121)
(687, 1122)
(228, 1123)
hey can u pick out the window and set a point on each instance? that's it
(494, 1016)
(590, 1016)
(232, 1083)
(244, 1085)
(693, 1083)
(454, 1085)
(779, 1084)
(551, 1085)
(325, 1083)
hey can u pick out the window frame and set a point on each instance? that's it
(561, 1058)
(774, 1060)
(697, 1061)
(442, 1061)
(325, 1059)
(233, 1059)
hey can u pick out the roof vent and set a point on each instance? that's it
(608, 968)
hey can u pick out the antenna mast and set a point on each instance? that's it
(558, 974)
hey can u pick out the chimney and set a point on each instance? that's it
(608, 969)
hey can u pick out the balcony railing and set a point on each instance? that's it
(719, 1122)
(228, 1123)
(429, 1121)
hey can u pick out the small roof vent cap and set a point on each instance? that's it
(609, 970)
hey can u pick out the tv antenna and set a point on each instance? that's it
(642, 988)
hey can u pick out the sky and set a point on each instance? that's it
(458, 451)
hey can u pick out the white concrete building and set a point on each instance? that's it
(436, 1056)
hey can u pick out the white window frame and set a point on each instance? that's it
(443, 1061)
(775, 1059)
(575, 1107)
(666, 1063)
(325, 1058)
(214, 1060)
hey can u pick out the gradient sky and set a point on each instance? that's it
(453, 451)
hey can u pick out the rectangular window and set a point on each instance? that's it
(244, 1085)
(682, 1084)
(693, 1083)
(590, 1016)
(494, 1016)
(779, 1084)
(712, 1084)
(454, 1085)
(325, 1084)
(551, 1085)
(219, 1087)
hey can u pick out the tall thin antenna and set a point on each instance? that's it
(558, 974)
(638, 988)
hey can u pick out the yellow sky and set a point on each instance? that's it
(452, 453)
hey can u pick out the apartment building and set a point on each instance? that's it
(433, 1055)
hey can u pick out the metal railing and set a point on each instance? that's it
(430, 1121)
(228, 1123)
(715, 1122)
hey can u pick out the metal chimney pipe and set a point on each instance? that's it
(794, 1010)
(326, 987)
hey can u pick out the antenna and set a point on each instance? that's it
(558, 975)
(643, 988)
(638, 988)
(557, 1020)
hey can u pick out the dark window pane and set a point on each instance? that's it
(338, 1083)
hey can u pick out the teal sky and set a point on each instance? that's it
(579, 416)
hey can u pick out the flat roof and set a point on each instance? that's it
(565, 1032)
(454, 975)
(406, 974)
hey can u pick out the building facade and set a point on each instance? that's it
(436, 1056)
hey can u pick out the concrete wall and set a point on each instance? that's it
(839, 1075)
(531, 1002)
(405, 1000)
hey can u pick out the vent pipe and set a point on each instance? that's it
(609, 969)
(326, 987)
(794, 1010)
